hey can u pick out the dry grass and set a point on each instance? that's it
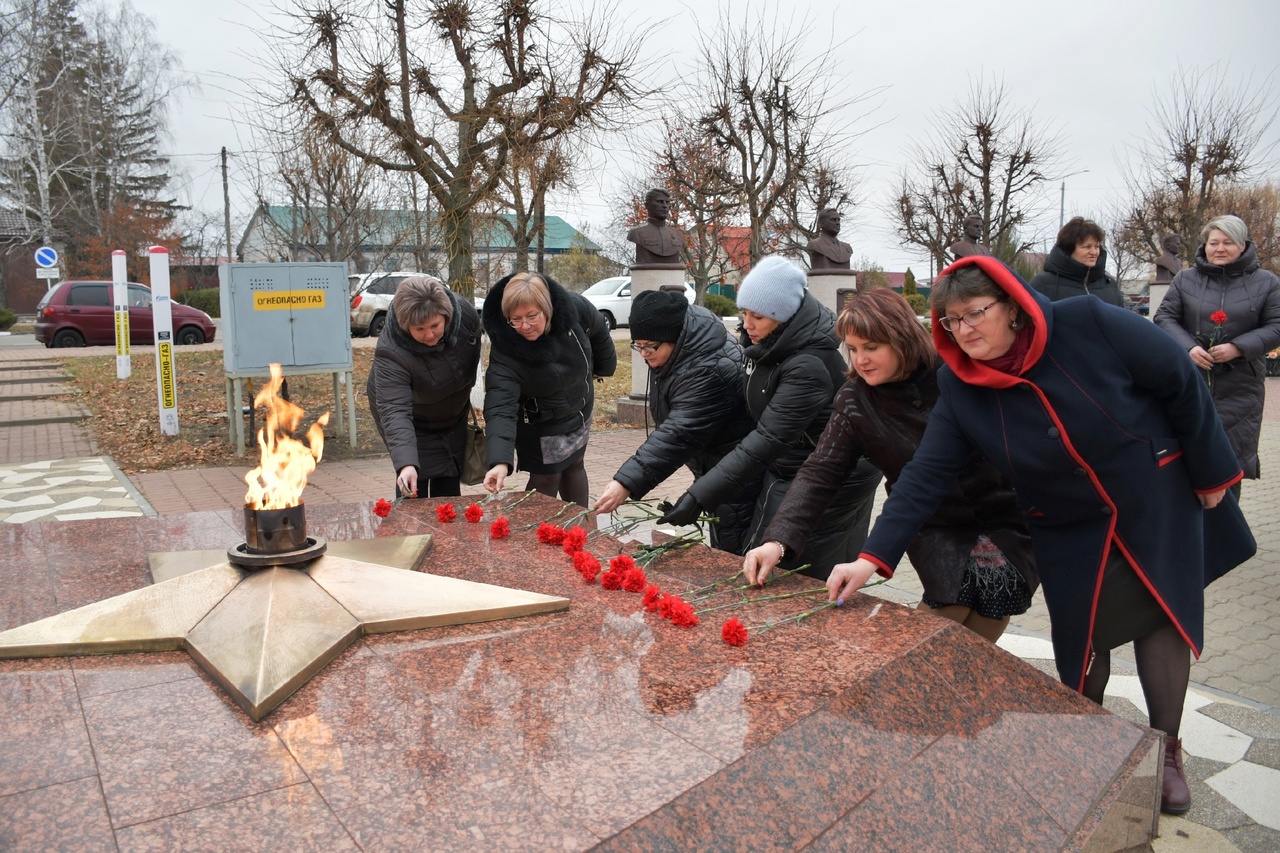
(125, 425)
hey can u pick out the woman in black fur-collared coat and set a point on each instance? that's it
(547, 347)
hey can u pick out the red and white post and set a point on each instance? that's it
(120, 298)
(162, 318)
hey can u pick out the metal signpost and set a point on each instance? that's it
(120, 298)
(162, 319)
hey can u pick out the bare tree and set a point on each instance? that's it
(766, 102)
(1207, 135)
(446, 86)
(984, 156)
(532, 171)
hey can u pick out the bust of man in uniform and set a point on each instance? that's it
(826, 252)
(1170, 263)
(968, 244)
(657, 243)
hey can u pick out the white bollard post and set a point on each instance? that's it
(162, 317)
(120, 298)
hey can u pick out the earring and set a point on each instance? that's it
(1013, 324)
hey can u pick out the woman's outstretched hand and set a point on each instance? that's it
(496, 478)
(848, 578)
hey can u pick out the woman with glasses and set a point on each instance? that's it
(1225, 314)
(1121, 466)
(420, 385)
(1077, 265)
(973, 555)
(696, 394)
(794, 369)
(547, 347)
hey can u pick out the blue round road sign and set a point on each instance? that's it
(46, 257)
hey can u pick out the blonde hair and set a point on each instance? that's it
(526, 288)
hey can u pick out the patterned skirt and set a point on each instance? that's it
(992, 585)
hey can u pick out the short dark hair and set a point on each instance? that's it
(885, 317)
(654, 193)
(962, 285)
(1074, 232)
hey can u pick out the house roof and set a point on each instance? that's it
(560, 235)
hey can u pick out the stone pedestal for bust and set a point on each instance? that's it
(631, 408)
(1157, 292)
(825, 285)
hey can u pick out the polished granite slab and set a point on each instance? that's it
(871, 727)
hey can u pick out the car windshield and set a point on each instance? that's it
(603, 288)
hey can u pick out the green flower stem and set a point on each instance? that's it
(799, 617)
(746, 600)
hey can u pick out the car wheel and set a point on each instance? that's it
(375, 325)
(609, 322)
(68, 338)
(190, 336)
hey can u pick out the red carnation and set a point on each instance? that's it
(584, 560)
(622, 563)
(683, 616)
(446, 512)
(633, 580)
(474, 513)
(611, 580)
(382, 508)
(575, 539)
(500, 529)
(667, 605)
(1218, 317)
(734, 632)
(550, 534)
(651, 595)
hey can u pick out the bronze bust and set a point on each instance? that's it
(658, 244)
(1170, 263)
(969, 245)
(826, 252)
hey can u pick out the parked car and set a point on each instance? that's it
(371, 295)
(82, 313)
(612, 298)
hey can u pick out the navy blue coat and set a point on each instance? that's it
(1108, 435)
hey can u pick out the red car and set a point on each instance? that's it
(80, 313)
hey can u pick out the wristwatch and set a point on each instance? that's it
(781, 548)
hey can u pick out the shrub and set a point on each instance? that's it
(721, 306)
(205, 300)
(918, 303)
(7, 318)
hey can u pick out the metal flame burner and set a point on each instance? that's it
(275, 537)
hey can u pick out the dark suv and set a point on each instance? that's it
(80, 313)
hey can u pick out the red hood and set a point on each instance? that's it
(976, 372)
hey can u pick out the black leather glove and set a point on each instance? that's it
(686, 511)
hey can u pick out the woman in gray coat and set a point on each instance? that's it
(420, 385)
(1225, 312)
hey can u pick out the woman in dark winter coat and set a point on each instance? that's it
(1077, 265)
(794, 368)
(697, 397)
(973, 555)
(1225, 313)
(1121, 467)
(547, 346)
(420, 385)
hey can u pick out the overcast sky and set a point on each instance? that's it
(1087, 70)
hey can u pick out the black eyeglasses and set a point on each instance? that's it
(645, 349)
(971, 318)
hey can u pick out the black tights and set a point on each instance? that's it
(1164, 667)
(568, 485)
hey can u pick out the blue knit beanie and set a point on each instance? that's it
(773, 288)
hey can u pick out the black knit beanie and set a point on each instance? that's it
(657, 315)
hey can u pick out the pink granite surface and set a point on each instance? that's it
(869, 727)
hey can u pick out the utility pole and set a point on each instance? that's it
(1062, 206)
(226, 204)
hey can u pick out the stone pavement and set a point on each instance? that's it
(49, 466)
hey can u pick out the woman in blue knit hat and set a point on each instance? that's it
(794, 367)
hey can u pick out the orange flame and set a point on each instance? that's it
(286, 462)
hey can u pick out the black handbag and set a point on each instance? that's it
(474, 465)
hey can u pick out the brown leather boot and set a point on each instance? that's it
(1175, 796)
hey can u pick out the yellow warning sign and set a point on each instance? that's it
(290, 300)
(122, 332)
(168, 397)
